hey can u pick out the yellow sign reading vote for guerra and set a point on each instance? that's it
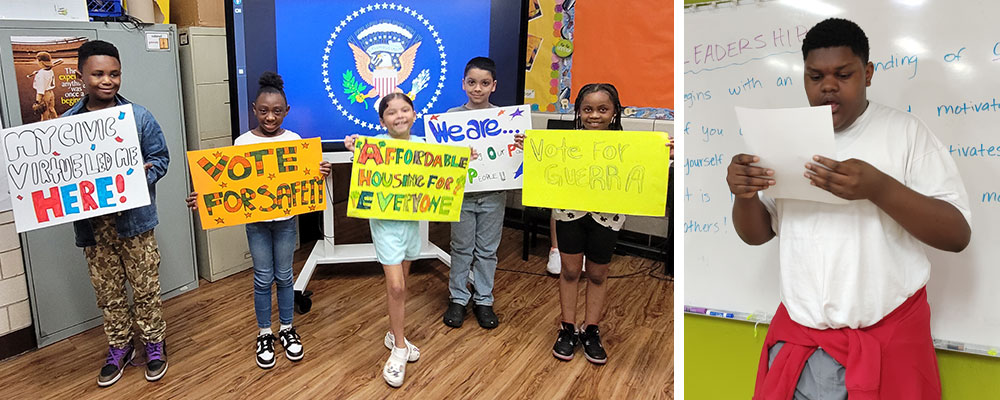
(621, 172)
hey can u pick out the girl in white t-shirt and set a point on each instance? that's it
(590, 234)
(272, 243)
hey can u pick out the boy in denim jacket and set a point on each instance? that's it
(122, 246)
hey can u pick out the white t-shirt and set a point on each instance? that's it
(249, 138)
(45, 80)
(851, 265)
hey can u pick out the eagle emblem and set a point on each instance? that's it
(384, 54)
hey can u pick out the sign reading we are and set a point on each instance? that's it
(73, 168)
(491, 132)
(403, 180)
(257, 182)
(604, 171)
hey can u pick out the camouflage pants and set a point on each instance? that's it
(111, 262)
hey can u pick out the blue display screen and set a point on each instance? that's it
(338, 58)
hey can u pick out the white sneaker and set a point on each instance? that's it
(265, 351)
(395, 367)
(555, 263)
(390, 342)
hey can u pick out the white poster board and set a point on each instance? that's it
(491, 133)
(73, 168)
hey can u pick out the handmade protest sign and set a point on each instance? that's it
(401, 180)
(73, 168)
(491, 132)
(257, 182)
(603, 171)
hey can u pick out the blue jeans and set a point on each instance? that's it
(474, 241)
(272, 245)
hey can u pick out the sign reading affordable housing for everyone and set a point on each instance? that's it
(402, 180)
(257, 182)
(491, 132)
(603, 171)
(73, 168)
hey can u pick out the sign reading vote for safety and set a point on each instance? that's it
(491, 132)
(257, 182)
(402, 180)
(67, 169)
(603, 171)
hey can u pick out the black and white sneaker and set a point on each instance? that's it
(291, 342)
(590, 337)
(265, 351)
(566, 343)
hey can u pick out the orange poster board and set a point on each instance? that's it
(257, 182)
(630, 46)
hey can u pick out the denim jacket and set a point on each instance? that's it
(153, 147)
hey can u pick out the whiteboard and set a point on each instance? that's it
(939, 60)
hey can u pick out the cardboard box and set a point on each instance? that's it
(197, 13)
(149, 11)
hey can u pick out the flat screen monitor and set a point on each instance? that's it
(338, 58)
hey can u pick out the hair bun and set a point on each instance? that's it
(271, 79)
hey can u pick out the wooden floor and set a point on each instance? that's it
(211, 331)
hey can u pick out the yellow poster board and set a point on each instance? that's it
(621, 172)
(257, 182)
(403, 180)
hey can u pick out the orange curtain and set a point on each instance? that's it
(629, 44)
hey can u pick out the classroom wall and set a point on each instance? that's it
(571, 46)
(720, 362)
(14, 311)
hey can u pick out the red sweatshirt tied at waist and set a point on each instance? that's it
(893, 359)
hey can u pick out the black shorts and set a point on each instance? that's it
(585, 235)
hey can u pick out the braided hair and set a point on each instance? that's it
(616, 121)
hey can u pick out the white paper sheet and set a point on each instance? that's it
(786, 139)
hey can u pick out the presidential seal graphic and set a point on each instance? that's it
(393, 48)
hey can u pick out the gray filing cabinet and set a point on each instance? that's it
(62, 298)
(205, 80)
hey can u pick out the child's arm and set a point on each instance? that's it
(324, 168)
(154, 149)
(935, 222)
(750, 217)
(519, 140)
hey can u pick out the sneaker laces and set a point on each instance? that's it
(115, 355)
(566, 335)
(593, 337)
(154, 351)
(289, 337)
(265, 343)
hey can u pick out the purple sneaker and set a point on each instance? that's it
(156, 360)
(118, 358)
